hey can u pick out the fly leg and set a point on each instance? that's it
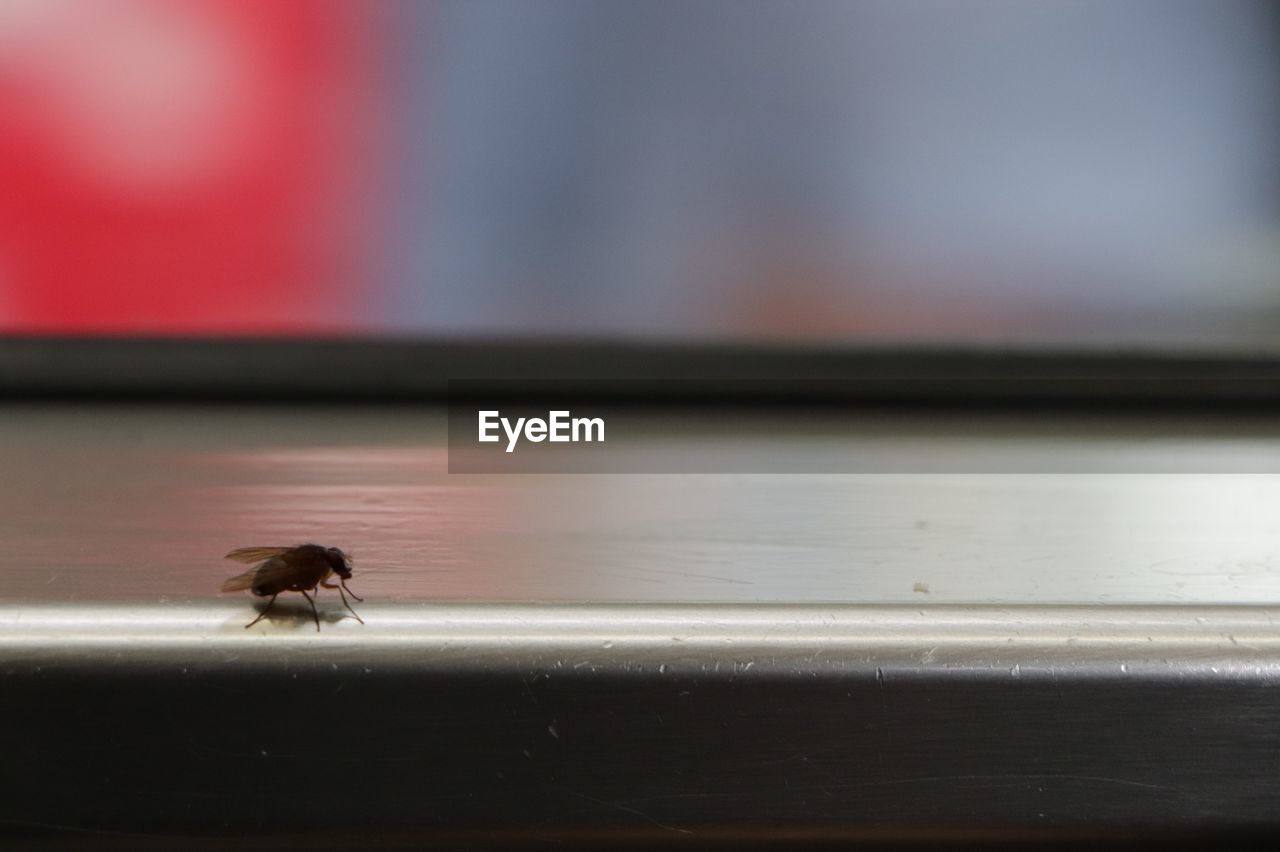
(270, 604)
(347, 605)
(344, 591)
(314, 611)
(353, 594)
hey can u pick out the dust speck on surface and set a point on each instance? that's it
(921, 587)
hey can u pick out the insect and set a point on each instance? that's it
(304, 568)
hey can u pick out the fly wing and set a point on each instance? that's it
(250, 555)
(266, 574)
(240, 581)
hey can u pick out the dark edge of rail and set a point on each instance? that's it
(363, 370)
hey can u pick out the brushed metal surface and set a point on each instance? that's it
(139, 503)
(581, 660)
(514, 723)
(654, 639)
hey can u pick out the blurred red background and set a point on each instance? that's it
(182, 167)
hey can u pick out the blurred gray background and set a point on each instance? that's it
(921, 170)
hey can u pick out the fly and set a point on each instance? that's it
(304, 568)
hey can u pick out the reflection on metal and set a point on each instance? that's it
(743, 640)
(138, 504)
(499, 724)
